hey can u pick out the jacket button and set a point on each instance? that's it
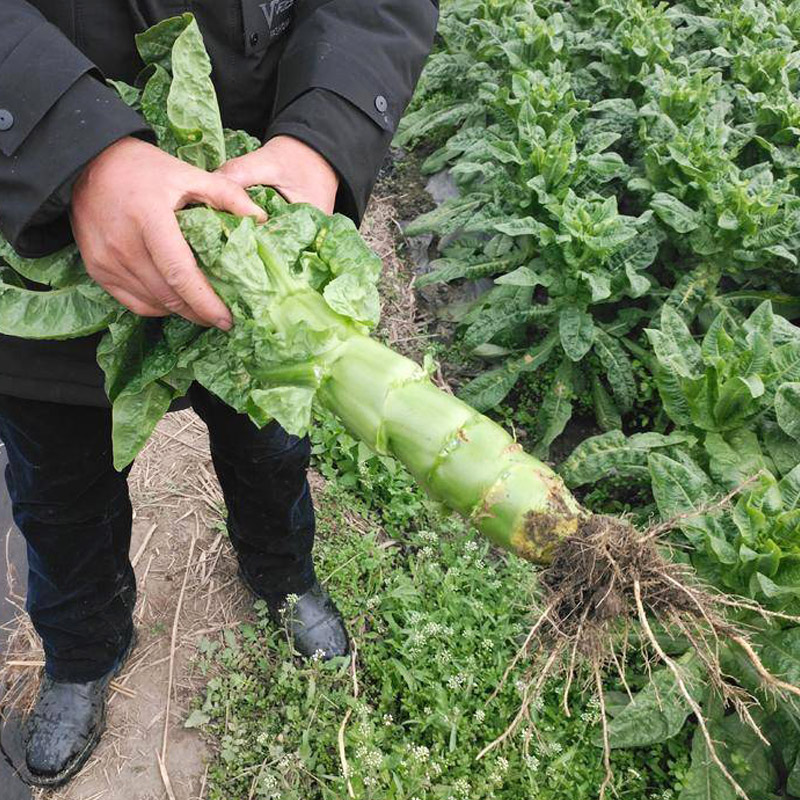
(381, 104)
(6, 119)
(253, 39)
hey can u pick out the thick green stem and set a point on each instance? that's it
(460, 457)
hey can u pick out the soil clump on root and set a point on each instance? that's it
(589, 586)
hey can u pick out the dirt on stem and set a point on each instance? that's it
(607, 579)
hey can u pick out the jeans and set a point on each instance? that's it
(74, 511)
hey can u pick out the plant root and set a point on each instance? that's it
(608, 580)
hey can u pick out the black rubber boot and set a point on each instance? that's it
(311, 619)
(65, 726)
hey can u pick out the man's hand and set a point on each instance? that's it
(296, 170)
(123, 218)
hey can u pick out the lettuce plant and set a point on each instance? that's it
(732, 399)
(610, 157)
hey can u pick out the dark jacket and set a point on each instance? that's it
(336, 74)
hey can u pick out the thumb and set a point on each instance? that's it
(252, 169)
(224, 194)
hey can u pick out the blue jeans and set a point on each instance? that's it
(74, 511)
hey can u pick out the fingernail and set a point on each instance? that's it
(224, 324)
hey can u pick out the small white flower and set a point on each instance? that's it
(456, 681)
(420, 753)
(480, 715)
(443, 657)
(532, 763)
(318, 655)
(472, 546)
(487, 644)
(388, 719)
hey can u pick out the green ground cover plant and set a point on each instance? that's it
(611, 157)
(437, 616)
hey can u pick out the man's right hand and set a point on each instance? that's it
(123, 219)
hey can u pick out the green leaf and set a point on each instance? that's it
(786, 363)
(156, 43)
(129, 95)
(134, 418)
(491, 387)
(678, 486)
(63, 268)
(614, 453)
(674, 213)
(780, 654)
(448, 217)
(577, 332)
(525, 226)
(787, 409)
(618, 369)
(522, 276)
(341, 248)
(289, 406)
(197, 719)
(660, 710)
(556, 410)
(66, 313)
(742, 752)
(599, 285)
(674, 345)
(789, 487)
(154, 108)
(735, 456)
(354, 298)
(737, 400)
(605, 410)
(499, 318)
(782, 448)
(192, 103)
(239, 143)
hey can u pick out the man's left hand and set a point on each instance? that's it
(291, 167)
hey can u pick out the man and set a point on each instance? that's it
(323, 84)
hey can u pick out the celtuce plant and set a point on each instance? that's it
(301, 289)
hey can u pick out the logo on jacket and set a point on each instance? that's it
(276, 12)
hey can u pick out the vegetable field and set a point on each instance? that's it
(616, 282)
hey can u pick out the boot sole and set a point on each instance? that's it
(79, 761)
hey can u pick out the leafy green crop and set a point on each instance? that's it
(610, 157)
(729, 398)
